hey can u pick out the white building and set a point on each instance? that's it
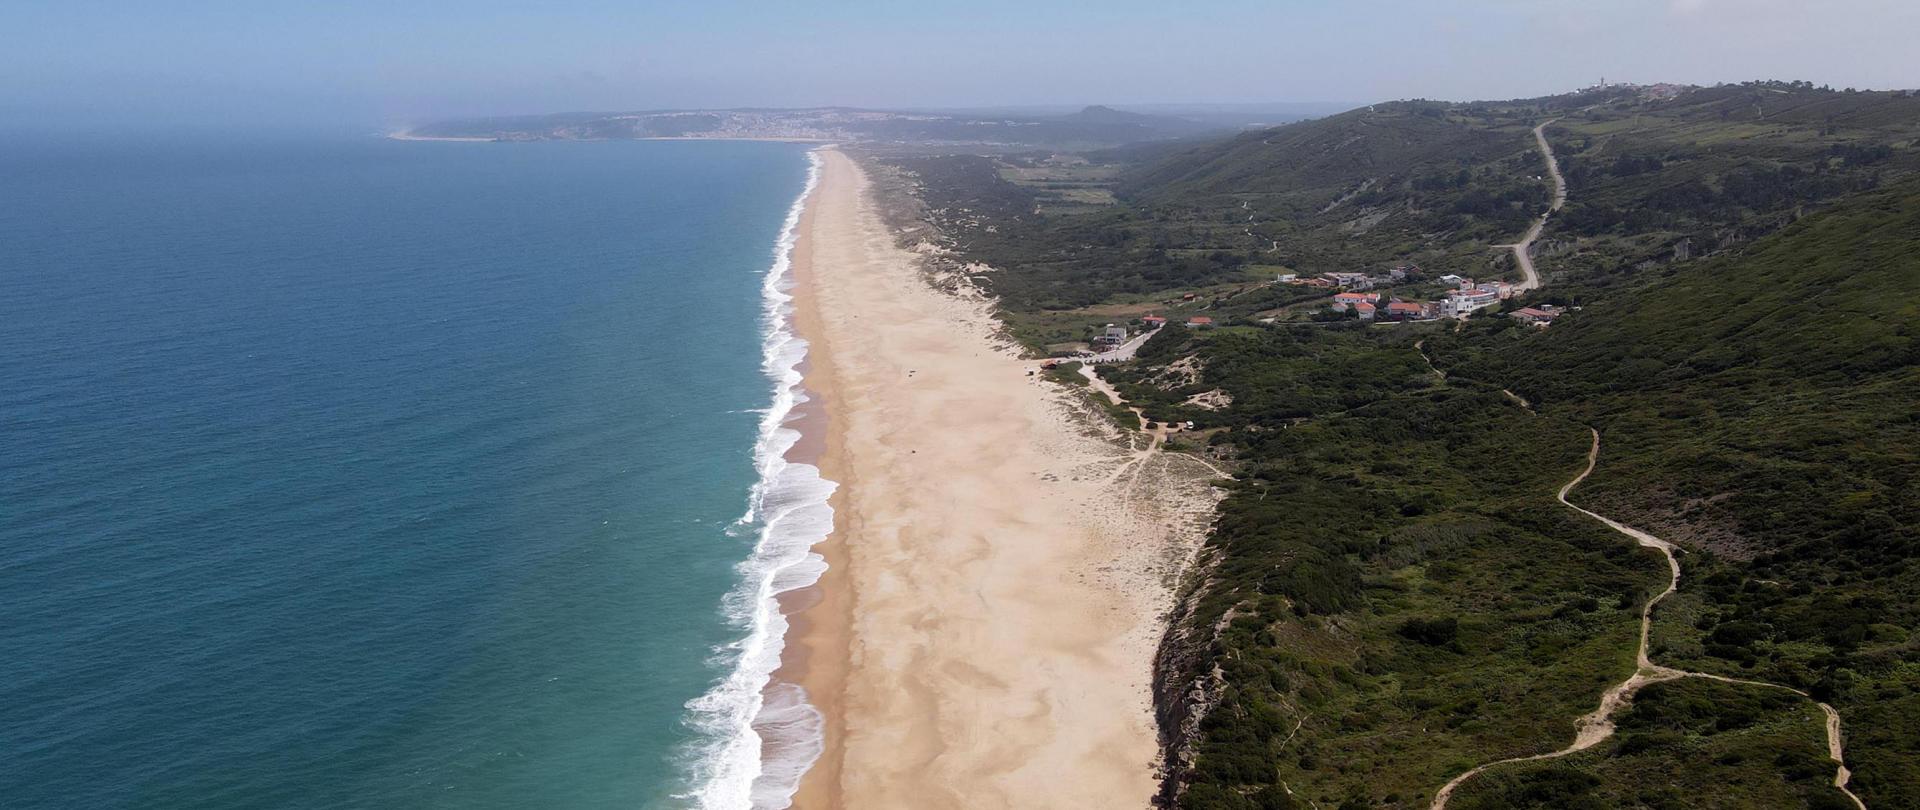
(1351, 281)
(1459, 304)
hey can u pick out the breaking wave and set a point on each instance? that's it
(760, 738)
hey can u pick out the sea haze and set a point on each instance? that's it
(364, 473)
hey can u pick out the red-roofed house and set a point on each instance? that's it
(1403, 311)
(1200, 322)
(1365, 308)
(1347, 299)
(1532, 315)
(1154, 321)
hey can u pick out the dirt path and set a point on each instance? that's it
(1523, 249)
(1156, 432)
(1598, 725)
(1421, 347)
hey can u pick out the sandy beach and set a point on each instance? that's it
(999, 567)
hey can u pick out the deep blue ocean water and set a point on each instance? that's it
(362, 473)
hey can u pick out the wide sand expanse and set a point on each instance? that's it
(1000, 569)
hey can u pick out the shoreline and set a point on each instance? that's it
(816, 655)
(764, 732)
(999, 566)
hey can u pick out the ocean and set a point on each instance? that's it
(350, 472)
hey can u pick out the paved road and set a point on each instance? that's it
(1522, 250)
(1124, 351)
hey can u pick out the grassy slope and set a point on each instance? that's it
(1793, 357)
(1396, 584)
(1305, 166)
(1683, 744)
(1719, 388)
(1422, 181)
(1714, 169)
(1398, 596)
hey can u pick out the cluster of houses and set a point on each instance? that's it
(1465, 298)
(1352, 281)
(1370, 308)
(1468, 297)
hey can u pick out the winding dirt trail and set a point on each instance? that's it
(1598, 725)
(1523, 249)
(1421, 347)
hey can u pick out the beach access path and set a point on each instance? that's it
(1003, 591)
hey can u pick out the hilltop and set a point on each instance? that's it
(1654, 177)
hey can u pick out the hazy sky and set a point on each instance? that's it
(398, 61)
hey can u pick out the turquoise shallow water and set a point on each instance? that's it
(359, 473)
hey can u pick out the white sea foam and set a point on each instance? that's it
(741, 717)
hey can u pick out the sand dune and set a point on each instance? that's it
(988, 628)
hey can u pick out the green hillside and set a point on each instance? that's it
(1673, 750)
(1756, 407)
(1390, 594)
(1760, 409)
(1306, 166)
(1652, 180)
(1435, 182)
(1717, 167)
(1789, 366)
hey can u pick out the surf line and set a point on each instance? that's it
(788, 510)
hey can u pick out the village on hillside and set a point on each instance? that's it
(1355, 297)
(1463, 298)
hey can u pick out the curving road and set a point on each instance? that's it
(1523, 249)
